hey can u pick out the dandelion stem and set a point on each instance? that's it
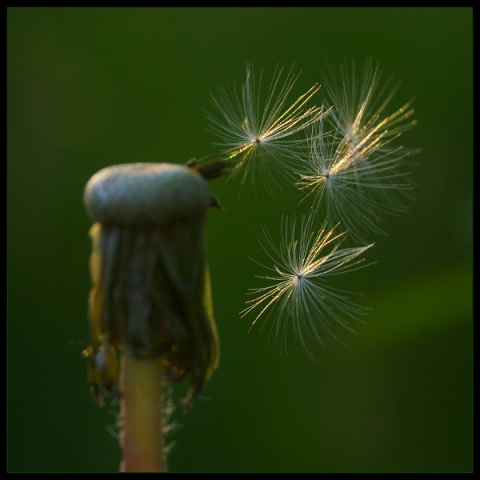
(141, 415)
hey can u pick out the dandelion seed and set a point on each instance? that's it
(353, 171)
(298, 295)
(347, 188)
(260, 129)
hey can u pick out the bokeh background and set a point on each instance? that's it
(91, 87)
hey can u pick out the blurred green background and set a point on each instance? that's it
(91, 87)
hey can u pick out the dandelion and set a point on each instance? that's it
(260, 129)
(150, 306)
(353, 171)
(298, 294)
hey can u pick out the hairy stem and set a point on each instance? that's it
(141, 415)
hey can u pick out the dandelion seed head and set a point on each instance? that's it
(298, 295)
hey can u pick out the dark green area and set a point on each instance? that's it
(91, 87)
